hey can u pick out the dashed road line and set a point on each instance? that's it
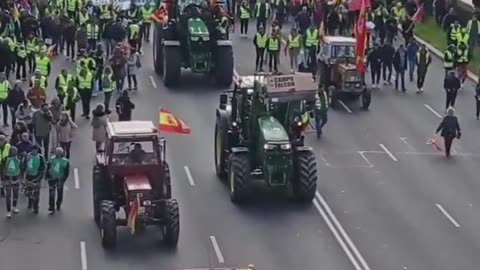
(337, 229)
(344, 106)
(189, 176)
(218, 252)
(83, 255)
(449, 217)
(404, 140)
(388, 152)
(432, 110)
(152, 80)
(77, 179)
(362, 154)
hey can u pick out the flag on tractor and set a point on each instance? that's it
(172, 124)
(133, 214)
(161, 15)
(361, 36)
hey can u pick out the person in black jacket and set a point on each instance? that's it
(14, 98)
(374, 60)
(387, 61)
(450, 129)
(400, 64)
(451, 85)
(124, 107)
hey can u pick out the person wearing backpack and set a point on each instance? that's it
(133, 64)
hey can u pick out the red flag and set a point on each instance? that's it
(172, 124)
(435, 144)
(133, 214)
(361, 36)
(419, 16)
(357, 4)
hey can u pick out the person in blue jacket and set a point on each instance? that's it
(412, 50)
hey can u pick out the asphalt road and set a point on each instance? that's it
(386, 199)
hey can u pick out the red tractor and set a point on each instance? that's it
(132, 175)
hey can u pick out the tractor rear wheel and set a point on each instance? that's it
(172, 64)
(108, 226)
(239, 176)
(220, 153)
(100, 192)
(157, 50)
(224, 66)
(305, 184)
(172, 225)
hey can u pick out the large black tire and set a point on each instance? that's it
(305, 182)
(108, 226)
(219, 153)
(172, 222)
(366, 99)
(172, 65)
(239, 176)
(157, 50)
(224, 66)
(101, 191)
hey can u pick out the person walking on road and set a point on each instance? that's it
(244, 18)
(374, 60)
(42, 120)
(449, 59)
(321, 110)
(124, 107)
(85, 82)
(293, 47)
(412, 50)
(387, 53)
(451, 85)
(262, 13)
(66, 132)
(450, 129)
(400, 64)
(12, 172)
(4, 153)
(35, 166)
(56, 109)
(14, 99)
(462, 62)
(58, 170)
(108, 85)
(71, 99)
(260, 42)
(24, 114)
(99, 126)
(5, 89)
(423, 61)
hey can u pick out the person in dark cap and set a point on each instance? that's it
(124, 107)
(450, 129)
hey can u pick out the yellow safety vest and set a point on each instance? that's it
(112, 84)
(21, 52)
(4, 89)
(5, 152)
(312, 38)
(83, 17)
(147, 14)
(85, 82)
(63, 82)
(79, 64)
(427, 55)
(244, 14)
(454, 32)
(261, 40)
(105, 12)
(42, 64)
(462, 55)
(267, 9)
(67, 96)
(134, 29)
(71, 5)
(92, 33)
(31, 47)
(43, 81)
(462, 37)
(273, 44)
(294, 42)
(448, 59)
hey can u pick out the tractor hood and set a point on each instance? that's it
(272, 130)
(137, 182)
(198, 29)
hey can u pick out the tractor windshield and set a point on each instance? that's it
(352, 76)
(182, 4)
(134, 153)
(343, 51)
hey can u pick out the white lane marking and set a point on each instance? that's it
(352, 246)
(432, 110)
(218, 252)
(336, 235)
(322, 157)
(83, 255)
(189, 176)
(404, 140)
(388, 152)
(445, 213)
(152, 80)
(77, 180)
(345, 106)
(362, 154)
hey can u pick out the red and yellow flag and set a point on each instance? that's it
(133, 214)
(361, 36)
(172, 124)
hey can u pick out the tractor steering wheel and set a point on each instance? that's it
(189, 10)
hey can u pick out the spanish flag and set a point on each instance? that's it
(172, 124)
(133, 214)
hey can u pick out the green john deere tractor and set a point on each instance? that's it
(193, 37)
(258, 135)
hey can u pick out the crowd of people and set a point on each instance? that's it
(103, 43)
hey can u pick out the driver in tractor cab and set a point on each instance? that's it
(137, 155)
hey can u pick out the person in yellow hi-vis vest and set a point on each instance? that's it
(294, 43)
(21, 55)
(83, 16)
(273, 48)
(108, 85)
(31, 44)
(147, 13)
(311, 41)
(85, 81)
(260, 42)
(5, 88)
(43, 64)
(399, 13)
(61, 84)
(37, 76)
(134, 36)
(93, 34)
(4, 153)
(244, 18)
(463, 36)
(72, 8)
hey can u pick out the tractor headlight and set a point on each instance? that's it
(358, 85)
(234, 124)
(268, 147)
(347, 84)
(286, 146)
(147, 203)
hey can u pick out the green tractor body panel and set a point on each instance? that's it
(275, 157)
(199, 45)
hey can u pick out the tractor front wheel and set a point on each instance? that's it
(108, 226)
(157, 50)
(100, 192)
(238, 176)
(172, 225)
(172, 64)
(224, 66)
(220, 153)
(305, 186)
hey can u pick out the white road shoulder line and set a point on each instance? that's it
(449, 217)
(388, 152)
(152, 80)
(432, 110)
(189, 176)
(345, 106)
(83, 255)
(335, 221)
(218, 252)
(76, 178)
(336, 235)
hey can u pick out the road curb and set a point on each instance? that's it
(439, 54)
